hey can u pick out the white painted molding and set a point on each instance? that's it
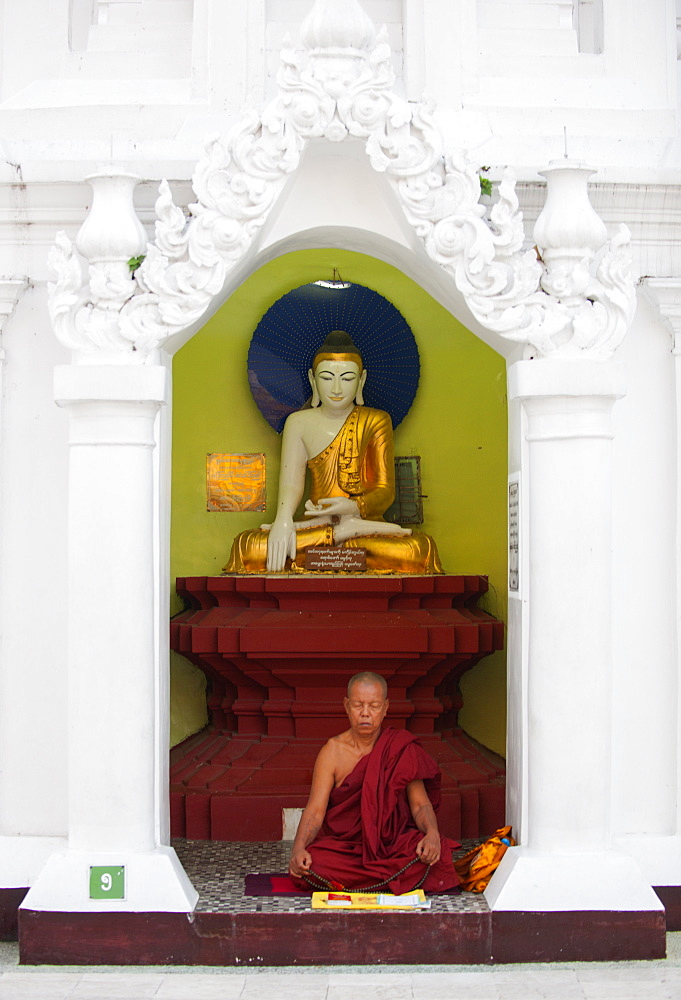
(340, 86)
(665, 295)
(11, 290)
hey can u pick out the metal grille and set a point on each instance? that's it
(407, 507)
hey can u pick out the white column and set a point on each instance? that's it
(114, 737)
(20, 856)
(659, 855)
(566, 861)
(666, 294)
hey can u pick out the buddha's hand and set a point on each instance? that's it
(300, 863)
(428, 849)
(355, 527)
(332, 506)
(281, 542)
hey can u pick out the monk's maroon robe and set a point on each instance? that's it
(368, 832)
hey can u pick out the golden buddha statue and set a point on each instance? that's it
(348, 448)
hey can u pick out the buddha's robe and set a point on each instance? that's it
(368, 832)
(359, 463)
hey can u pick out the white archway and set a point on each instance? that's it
(566, 316)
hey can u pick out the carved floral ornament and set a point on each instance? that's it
(559, 302)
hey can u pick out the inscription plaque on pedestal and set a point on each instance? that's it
(332, 559)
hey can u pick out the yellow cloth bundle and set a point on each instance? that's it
(476, 868)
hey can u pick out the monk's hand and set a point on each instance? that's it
(428, 849)
(300, 863)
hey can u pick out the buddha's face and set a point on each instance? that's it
(337, 383)
(366, 707)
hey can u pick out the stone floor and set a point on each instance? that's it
(217, 870)
(572, 981)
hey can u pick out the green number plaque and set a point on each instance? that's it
(107, 882)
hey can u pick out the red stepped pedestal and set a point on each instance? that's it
(278, 652)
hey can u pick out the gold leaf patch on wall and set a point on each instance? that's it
(235, 482)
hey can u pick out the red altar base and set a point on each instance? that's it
(278, 652)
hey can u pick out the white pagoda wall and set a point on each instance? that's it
(61, 117)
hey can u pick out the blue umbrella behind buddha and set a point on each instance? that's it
(292, 330)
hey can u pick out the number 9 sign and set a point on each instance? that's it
(107, 882)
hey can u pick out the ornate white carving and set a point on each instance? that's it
(86, 313)
(339, 23)
(568, 231)
(340, 86)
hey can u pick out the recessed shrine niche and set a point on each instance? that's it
(457, 424)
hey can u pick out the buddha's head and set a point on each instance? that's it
(337, 375)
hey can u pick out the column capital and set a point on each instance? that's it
(111, 383)
(546, 378)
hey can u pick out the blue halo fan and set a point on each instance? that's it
(291, 331)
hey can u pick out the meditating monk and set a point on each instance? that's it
(348, 448)
(370, 818)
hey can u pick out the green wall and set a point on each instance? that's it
(457, 425)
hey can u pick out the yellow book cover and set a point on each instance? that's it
(369, 901)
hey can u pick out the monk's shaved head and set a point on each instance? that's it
(368, 677)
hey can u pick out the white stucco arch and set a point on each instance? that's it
(339, 91)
